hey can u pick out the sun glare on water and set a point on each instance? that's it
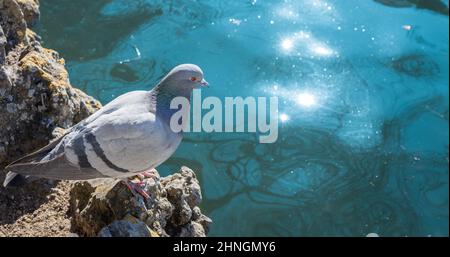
(287, 44)
(306, 99)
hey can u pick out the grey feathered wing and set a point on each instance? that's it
(48, 162)
(37, 155)
(125, 123)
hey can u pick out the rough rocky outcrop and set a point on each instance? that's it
(37, 103)
(30, 10)
(35, 93)
(106, 207)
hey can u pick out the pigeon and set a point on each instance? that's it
(128, 136)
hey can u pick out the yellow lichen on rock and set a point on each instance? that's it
(31, 35)
(34, 87)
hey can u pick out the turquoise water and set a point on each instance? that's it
(368, 152)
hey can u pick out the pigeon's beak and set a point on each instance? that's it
(204, 83)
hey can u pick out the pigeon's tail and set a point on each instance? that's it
(16, 180)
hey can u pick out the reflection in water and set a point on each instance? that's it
(363, 134)
(124, 72)
(433, 5)
(416, 65)
(312, 183)
(90, 31)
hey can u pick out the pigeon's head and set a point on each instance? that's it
(186, 75)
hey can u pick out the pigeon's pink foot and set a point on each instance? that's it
(136, 188)
(137, 184)
(147, 174)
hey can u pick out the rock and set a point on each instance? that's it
(193, 229)
(2, 50)
(30, 10)
(183, 185)
(35, 91)
(95, 204)
(105, 207)
(38, 104)
(184, 192)
(128, 227)
(13, 24)
(201, 219)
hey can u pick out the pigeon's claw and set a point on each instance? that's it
(137, 183)
(137, 188)
(147, 174)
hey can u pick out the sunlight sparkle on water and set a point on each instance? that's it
(284, 117)
(321, 50)
(287, 44)
(286, 12)
(305, 43)
(306, 99)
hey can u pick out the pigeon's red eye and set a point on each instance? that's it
(193, 79)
